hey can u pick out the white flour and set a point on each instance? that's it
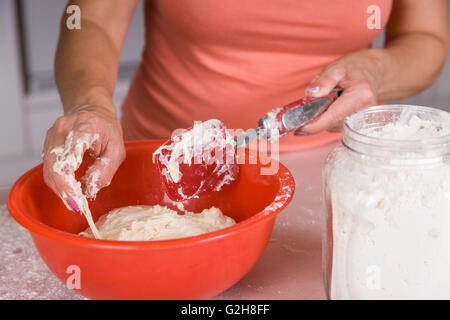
(391, 225)
(147, 223)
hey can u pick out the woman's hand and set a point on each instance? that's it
(359, 75)
(87, 128)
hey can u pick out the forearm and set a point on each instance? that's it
(416, 47)
(409, 64)
(86, 60)
(86, 64)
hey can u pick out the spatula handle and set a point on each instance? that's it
(299, 113)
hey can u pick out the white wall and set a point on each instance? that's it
(438, 95)
(41, 28)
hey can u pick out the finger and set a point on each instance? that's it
(337, 128)
(61, 162)
(64, 185)
(325, 82)
(55, 136)
(70, 155)
(333, 118)
(101, 172)
(90, 129)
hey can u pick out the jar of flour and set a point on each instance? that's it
(387, 193)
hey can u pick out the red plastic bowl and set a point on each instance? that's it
(189, 268)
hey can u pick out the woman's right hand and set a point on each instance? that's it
(87, 128)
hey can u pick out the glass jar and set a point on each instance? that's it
(387, 193)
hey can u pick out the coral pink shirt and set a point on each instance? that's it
(235, 60)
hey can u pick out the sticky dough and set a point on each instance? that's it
(68, 158)
(146, 223)
(197, 143)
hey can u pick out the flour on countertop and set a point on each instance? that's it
(23, 274)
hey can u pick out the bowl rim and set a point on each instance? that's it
(284, 195)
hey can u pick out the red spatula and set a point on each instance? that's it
(202, 158)
(198, 160)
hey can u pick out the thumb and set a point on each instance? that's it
(325, 82)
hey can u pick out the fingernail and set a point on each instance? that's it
(301, 133)
(73, 205)
(312, 89)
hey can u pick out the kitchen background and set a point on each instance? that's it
(29, 102)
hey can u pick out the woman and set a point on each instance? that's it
(235, 60)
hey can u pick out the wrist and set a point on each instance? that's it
(380, 67)
(97, 100)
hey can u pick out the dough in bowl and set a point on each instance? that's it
(147, 223)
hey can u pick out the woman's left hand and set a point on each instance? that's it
(358, 74)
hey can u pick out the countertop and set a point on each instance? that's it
(290, 267)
